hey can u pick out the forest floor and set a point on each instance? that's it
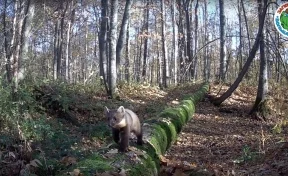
(217, 141)
(226, 141)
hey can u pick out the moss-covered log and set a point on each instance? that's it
(159, 134)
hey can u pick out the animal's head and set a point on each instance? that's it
(116, 117)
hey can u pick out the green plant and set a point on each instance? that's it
(37, 129)
(247, 155)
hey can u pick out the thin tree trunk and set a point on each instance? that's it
(112, 48)
(127, 55)
(186, 6)
(26, 33)
(240, 54)
(6, 52)
(123, 29)
(175, 42)
(68, 40)
(246, 25)
(164, 55)
(222, 42)
(195, 65)
(206, 35)
(103, 43)
(263, 75)
(181, 40)
(146, 31)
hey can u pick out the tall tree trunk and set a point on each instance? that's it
(222, 42)
(263, 75)
(26, 33)
(195, 64)
(56, 48)
(6, 52)
(112, 48)
(175, 42)
(122, 34)
(103, 43)
(186, 6)
(181, 40)
(164, 54)
(146, 31)
(250, 58)
(84, 58)
(240, 54)
(68, 40)
(127, 55)
(58, 40)
(13, 46)
(206, 35)
(246, 24)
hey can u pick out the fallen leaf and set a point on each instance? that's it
(68, 160)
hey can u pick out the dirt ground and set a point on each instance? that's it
(226, 141)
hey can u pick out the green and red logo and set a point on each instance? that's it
(281, 19)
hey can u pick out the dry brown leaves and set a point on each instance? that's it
(226, 141)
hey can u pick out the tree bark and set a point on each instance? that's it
(103, 43)
(146, 32)
(195, 60)
(189, 54)
(164, 55)
(127, 55)
(222, 42)
(246, 24)
(6, 52)
(175, 42)
(250, 58)
(68, 40)
(122, 34)
(263, 75)
(26, 34)
(112, 48)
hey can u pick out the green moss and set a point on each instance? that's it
(174, 113)
(169, 129)
(92, 164)
(147, 167)
(159, 139)
(189, 106)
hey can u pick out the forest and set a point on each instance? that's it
(206, 78)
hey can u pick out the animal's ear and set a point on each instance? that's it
(121, 109)
(106, 110)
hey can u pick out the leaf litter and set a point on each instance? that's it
(220, 141)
